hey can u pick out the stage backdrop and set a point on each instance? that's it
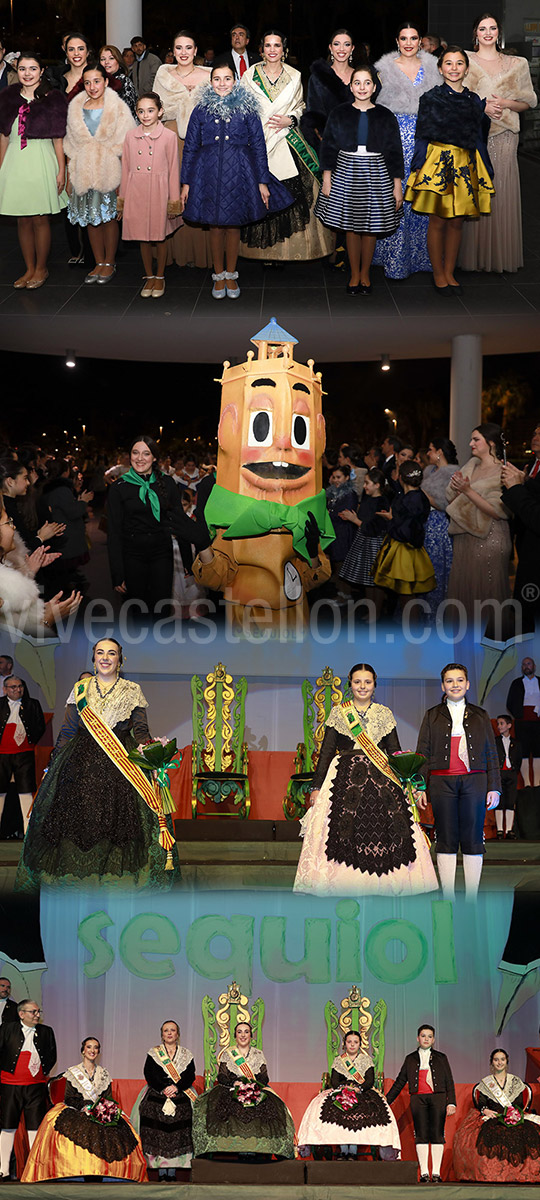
(118, 966)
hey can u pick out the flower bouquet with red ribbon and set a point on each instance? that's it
(511, 1116)
(248, 1093)
(105, 1112)
(407, 764)
(346, 1099)
(159, 756)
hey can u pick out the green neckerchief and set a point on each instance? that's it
(241, 516)
(145, 489)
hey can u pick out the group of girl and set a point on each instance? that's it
(243, 160)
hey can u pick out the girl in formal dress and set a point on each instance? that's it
(72, 1140)
(499, 1140)
(149, 197)
(359, 835)
(362, 163)
(226, 183)
(32, 164)
(402, 564)
(450, 172)
(98, 121)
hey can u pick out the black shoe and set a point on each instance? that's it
(367, 289)
(442, 291)
(424, 1179)
(455, 288)
(354, 289)
(500, 835)
(511, 836)
(436, 1179)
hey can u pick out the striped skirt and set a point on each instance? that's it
(361, 198)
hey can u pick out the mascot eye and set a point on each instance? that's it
(260, 428)
(300, 432)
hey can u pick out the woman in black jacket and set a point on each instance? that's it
(144, 512)
(362, 164)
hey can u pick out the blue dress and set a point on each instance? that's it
(225, 160)
(406, 252)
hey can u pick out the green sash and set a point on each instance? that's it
(293, 136)
(240, 1061)
(241, 516)
(370, 749)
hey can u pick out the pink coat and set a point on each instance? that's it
(150, 186)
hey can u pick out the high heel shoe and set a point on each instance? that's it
(219, 293)
(233, 293)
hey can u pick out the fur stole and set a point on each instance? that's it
(239, 102)
(398, 92)
(322, 74)
(21, 607)
(178, 102)
(46, 118)
(454, 118)
(514, 83)
(95, 161)
(464, 516)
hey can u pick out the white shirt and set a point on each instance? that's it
(506, 744)
(236, 60)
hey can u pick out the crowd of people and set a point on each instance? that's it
(86, 1134)
(411, 160)
(409, 524)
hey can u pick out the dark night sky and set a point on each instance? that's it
(114, 406)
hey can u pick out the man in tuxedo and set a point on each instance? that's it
(433, 1099)
(521, 494)
(523, 702)
(239, 57)
(8, 1007)
(27, 1056)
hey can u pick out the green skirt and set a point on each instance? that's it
(28, 178)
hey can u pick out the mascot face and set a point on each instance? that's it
(271, 430)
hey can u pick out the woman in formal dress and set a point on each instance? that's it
(495, 243)
(177, 86)
(499, 1141)
(242, 1115)
(442, 461)
(94, 819)
(165, 1109)
(111, 58)
(479, 525)
(405, 77)
(32, 164)
(76, 1138)
(360, 1117)
(360, 836)
(294, 233)
(328, 86)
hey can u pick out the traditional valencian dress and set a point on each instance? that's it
(487, 1148)
(294, 233)
(242, 1115)
(360, 836)
(165, 1121)
(96, 817)
(356, 1116)
(71, 1143)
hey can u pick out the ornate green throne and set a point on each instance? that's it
(355, 1017)
(220, 786)
(318, 700)
(218, 1027)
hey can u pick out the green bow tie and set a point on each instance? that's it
(241, 516)
(146, 491)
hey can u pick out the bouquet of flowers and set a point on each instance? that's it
(406, 764)
(105, 1112)
(511, 1116)
(159, 756)
(346, 1099)
(248, 1093)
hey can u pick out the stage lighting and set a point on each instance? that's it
(385, 362)
(71, 361)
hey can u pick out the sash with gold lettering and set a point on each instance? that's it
(241, 1062)
(369, 748)
(113, 748)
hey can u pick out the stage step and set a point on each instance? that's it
(221, 1171)
(361, 1174)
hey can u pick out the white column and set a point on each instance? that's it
(465, 391)
(124, 21)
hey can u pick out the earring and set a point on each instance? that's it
(438, 459)
(95, 668)
(331, 58)
(350, 59)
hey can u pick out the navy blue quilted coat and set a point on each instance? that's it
(224, 161)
